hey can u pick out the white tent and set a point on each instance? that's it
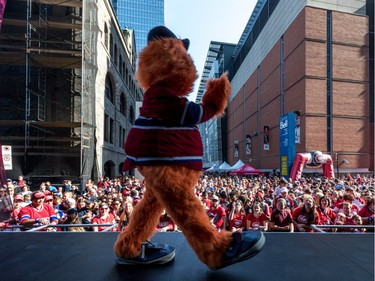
(224, 167)
(213, 168)
(238, 165)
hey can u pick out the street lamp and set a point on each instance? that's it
(338, 164)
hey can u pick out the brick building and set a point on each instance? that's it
(310, 57)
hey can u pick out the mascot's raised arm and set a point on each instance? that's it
(166, 147)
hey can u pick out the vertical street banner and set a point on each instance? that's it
(248, 145)
(236, 148)
(3, 175)
(298, 127)
(266, 138)
(287, 143)
(6, 153)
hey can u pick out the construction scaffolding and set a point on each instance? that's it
(46, 110)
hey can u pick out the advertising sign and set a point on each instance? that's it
(266, 138)
(287, 143)
(6, 152)
(248, 145)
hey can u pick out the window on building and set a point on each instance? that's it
(123, 137)
(115, 55)
(111, 130)
(106, 127)
(120, 64)
(131, 115)
(120, 141)
(106, 36)
(122, 104)
(108, 89)
(111, 45)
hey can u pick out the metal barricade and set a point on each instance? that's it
(108, 226)
(318, 228)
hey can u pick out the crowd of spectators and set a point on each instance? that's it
(232, 203)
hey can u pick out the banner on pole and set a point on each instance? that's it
(6, 152)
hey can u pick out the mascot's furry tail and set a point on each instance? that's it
(217, 94)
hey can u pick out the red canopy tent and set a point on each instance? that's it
(246, 169)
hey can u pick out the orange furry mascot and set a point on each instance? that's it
(165, 145)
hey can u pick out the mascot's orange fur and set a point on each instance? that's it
(166, 63)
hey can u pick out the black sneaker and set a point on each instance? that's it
(244, 246)
(151, 253)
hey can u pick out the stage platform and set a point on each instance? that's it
(72, 256)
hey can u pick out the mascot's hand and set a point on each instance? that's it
(217, 93)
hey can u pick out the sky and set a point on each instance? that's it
(203, 21)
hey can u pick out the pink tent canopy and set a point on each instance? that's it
(246, 169)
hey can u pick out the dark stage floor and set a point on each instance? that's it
(89, 256)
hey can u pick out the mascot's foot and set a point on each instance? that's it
(151, 253)
(244, 246)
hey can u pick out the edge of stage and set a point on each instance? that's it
(89, 256)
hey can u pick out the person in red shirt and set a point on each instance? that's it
(337, 198)
(218, 212)
(326, 215)
(367, 213)
(259, 198)
(347, 210)
(207, 203)
(165, 223)
(38, 213)
(349, 199)
(237, 217)
(257, 218)
(13, 220)
(306, 215)
(104, 217)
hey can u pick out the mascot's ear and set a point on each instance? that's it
(161, 31)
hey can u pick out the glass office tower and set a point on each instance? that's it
(139, 15)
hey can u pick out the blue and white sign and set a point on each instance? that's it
(287, 143)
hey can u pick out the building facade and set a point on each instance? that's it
(213, 132)
(309, 57)
(69, 94)
(139, 15)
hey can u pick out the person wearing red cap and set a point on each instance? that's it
(37, 213)
(13, 219)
